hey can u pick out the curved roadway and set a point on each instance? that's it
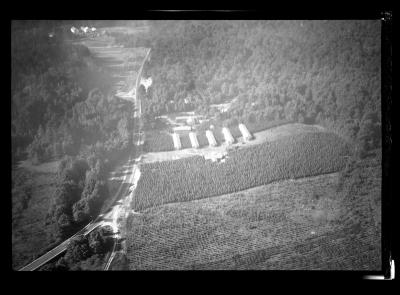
(100, 219)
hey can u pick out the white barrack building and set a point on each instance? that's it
(211, 138)
(177, 141)
(193, 140)
(245, 132)
(228, 136)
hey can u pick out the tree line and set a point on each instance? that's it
(81, 191)
(314, 72)
(84, 252)
(60, 101)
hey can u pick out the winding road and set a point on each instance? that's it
(124, 191)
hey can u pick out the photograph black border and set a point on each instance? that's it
(387, 117)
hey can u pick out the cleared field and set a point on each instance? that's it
(281, 131)
(292, 224)
(187, 179)
(120, 63)
(48, 167)
(126, 29)
(263, 125)
(185, 141)
(158, 141)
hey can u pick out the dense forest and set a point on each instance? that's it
(61, 109)
(60, 101)
(316, 72)
(81, 191)
(84, 252)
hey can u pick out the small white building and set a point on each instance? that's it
(85, 29)
(182, 128)
(193, 140)
(227, 135)
(245, 132)
(177, 141)
(146, 82)
(222, 107)
(211, 138)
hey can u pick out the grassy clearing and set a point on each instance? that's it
(185, 141)
(264, 125)
(202, 139)
(193, 178)
(292, 224)
(158, 141)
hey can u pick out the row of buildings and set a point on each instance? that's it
(210, 137)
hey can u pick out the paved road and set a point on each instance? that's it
(86, 230)
(137, 114)
(99, 220)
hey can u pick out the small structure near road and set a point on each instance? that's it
(245, 132)
(146, 83)
(177, 141)
(85, 29)
(228, 136)
(193, 140)
(216, 156)
(211, 138)
(74, 31)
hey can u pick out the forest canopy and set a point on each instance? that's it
(316, 72)
(60, 99)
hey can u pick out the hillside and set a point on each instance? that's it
(171, 165)
(61, 100)
(327, 222)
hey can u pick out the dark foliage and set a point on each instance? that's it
(60, 103)
(79, 196)
(316, 72)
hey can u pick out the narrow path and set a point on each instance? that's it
(122, 210)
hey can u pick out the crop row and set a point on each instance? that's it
(155, 245)
(195, 178)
